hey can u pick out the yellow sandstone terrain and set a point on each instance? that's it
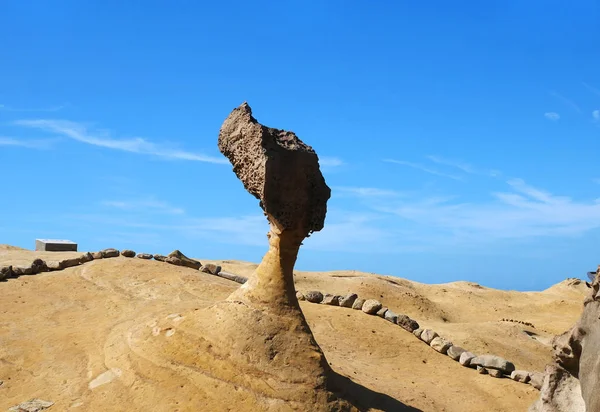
(113, 335)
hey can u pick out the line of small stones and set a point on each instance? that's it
(438, 343)
(175, 258)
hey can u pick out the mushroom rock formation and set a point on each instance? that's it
(572, 382)
(254, 350)
(282, 172)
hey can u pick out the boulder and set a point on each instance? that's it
(180, 259)
(331, 300)
(86, 257)
(390, 316)
(371, 306)
(440, 344)
(493, 362)
(358, 304)
(110, 253)
(145, 256)
(128, 253)
(417, 332)
(6, 272)
(455, 351)
(210, 268)
(160, 258)
(496, 373)
(69, 263)
(381, 312)
(407, 323)
(520, 376)
(481, 370)
(314, 296)
(233, 277)
(465, 359)
(22, 270)
(300, 296)
(97, 255)
(348, 300)
(38, 266)
(53, 265)
(428, 335)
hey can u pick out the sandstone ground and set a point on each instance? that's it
(66, 336)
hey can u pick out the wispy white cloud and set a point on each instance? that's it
(326, 161)
(596, 115)
(524, 211)
(29, 144)
(465, 167)
(591, 88)
(365, 191)
(144, 205)
(423, 168)
(552, 116)
(566, 101)
(6, 108)
(101, 138)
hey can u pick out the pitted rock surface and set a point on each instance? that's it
(277, 168)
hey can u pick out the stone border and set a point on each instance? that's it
(484, 364)
(174, 258)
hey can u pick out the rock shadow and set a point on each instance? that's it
(365, 398)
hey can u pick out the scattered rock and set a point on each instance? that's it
(481, 370)
(358, 304)
(428, 335)
(160, 258)
(97, 255)
(493, 362)
(371, 306)
(381, 312)
(465, 359)
(128, 253)
(38, 266)
(69, 263)
(21, 270)
(86, 257)
(146, 256)
(300, 295)
(536, 379)
(332, 300)
(210, 268)
(110, 253)
(180, 259)
(314, 296)
(233, 277)
(390, 316)
(53, 265)
(455, 351)
(348, 300)
(6, 272)
(417, 332)
(407, 323)
(496, 373)
(440, 344)
(32, 405)
(520, 376)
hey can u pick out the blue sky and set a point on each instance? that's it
(459, 139)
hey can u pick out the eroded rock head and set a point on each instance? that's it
(277, 168)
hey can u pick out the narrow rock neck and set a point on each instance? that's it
(272, 283)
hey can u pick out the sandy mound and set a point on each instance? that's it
(122, 334)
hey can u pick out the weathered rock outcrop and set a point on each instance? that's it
(572, 383)
(258, 338)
